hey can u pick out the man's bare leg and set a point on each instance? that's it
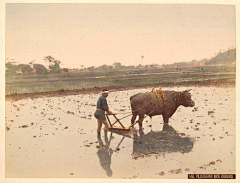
(106, 126)
(99, 126)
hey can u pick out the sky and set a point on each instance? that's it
(97, 34)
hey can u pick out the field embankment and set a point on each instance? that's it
(62, 84)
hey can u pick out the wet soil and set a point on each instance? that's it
(56, 136)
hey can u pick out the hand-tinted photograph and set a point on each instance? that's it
(120, 91)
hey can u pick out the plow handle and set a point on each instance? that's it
(118, 120)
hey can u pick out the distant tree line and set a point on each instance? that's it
(53, 65)
(119, 66)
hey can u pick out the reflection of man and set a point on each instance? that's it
(104, 155)
(102, 106)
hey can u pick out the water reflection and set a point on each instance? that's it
(105, 154)
(167, 140)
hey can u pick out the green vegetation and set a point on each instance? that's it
(40, 69)
(117, 75)
(32, 69)
(27, 84)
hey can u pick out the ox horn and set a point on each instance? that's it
(188, 90)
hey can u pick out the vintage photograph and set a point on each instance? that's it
(120, 91)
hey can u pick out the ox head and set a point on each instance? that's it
(185, 99)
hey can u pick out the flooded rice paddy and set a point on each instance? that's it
(57, 137)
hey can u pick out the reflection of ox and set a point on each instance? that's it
(175, 99)
(156, 142)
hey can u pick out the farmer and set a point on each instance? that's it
(102, 106)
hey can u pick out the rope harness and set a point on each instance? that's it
(158, 96)
(178, 98)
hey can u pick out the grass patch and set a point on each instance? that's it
(62, 82)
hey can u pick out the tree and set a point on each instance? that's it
(117, 65)
(11, 68)
(48, 59)
(10, 65)
(65, 70)
(91, 68)
(103, 67)
(40, 69)
(25, 68)
(139, 66)
(55, 66)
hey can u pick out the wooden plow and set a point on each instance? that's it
(112, 127)
(122, 127)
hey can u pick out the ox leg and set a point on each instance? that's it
(141, 116)
(165, 119)
(134, 117)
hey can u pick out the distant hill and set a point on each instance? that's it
(224, 58)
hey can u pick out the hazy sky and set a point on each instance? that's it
(96, 34)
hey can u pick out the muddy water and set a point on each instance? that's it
(56, 137)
